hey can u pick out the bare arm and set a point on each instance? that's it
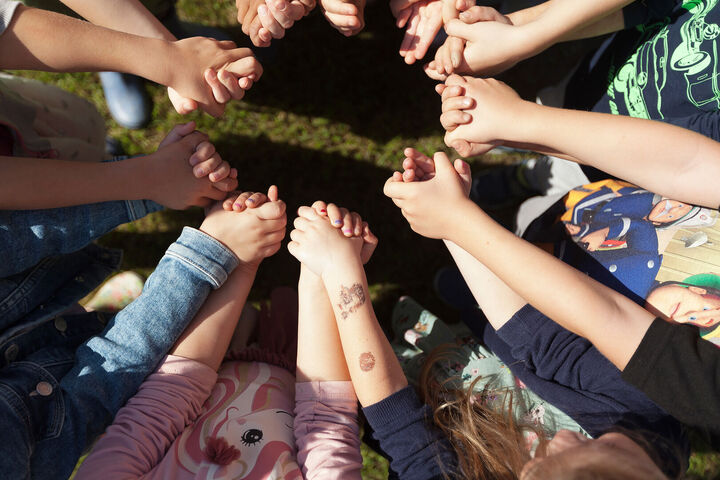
(129, 16)
(582, 19)
(660, 157)
(615, 324)
(207, 338)
(612, 322)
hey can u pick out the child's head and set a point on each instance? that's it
(695, 301)
(570, 455)
(246, 428)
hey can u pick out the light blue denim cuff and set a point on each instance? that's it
(205, 254)
(137, 209)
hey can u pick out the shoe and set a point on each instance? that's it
(501, 187)
(126, 98)
(113, 147)
(450, 287)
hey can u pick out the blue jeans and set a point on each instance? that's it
(65, 375)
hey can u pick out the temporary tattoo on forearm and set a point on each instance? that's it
(367, 361)
(351, 299)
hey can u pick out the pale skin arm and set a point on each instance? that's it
(374, 369)
(588, 19)
(338, 260)
(41, 40)
(613, 323)
(184, 171)
(252, 235)
(667, 164)
(129, 16)
(320, 355)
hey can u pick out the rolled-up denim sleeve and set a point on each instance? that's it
(28, 236)
(109, 368)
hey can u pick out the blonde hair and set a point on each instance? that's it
(491, 444)
(488, 441)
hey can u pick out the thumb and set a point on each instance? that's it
(442, 164)
(457, 28)
(463, 169)
(273, 193)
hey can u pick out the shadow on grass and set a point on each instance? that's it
(404, 262)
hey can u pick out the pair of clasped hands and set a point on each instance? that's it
(252, 225)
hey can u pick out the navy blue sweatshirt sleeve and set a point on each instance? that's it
(403, 427)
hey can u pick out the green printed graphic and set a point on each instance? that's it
(696, 57)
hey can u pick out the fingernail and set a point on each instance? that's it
(466, 117)
(201, 172)
(455, 59)
(464, 15)
(239, 205)
(188, 106)
(281, 6)
(251, 200)
(338, 222)
(467, 102)
(194, 160)
(322, 210)
(347, 231)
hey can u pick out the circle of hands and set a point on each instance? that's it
(325, 233)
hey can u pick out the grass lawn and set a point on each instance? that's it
(328, 120)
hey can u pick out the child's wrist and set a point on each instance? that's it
(343, 270)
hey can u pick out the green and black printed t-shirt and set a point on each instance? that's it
(665, 66)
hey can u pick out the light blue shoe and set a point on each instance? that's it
(126, 98)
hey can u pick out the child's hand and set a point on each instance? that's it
(351, 224)
(211, 73)
(252, 234)
(478, 113)
(346, 16)
(418, 167)
(424, 19)
(168, 177)
(206, 162)
(320, 247)
(247, 16)
(429, 206)
(477, 28)
(276, 16)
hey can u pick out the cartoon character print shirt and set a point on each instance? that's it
(665, 66)
(657, 251)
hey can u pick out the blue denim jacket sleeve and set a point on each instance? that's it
(28, 236)
(109, 368)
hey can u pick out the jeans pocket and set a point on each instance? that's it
(33, 394)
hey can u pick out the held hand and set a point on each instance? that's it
(477, 28)
(173, 182)
(346, 16)
(418, 167)
(277, 16)
(423, 20)
(211, 73)
(351, 224)
(253, 233)
(321, 247)
(206, 162)
(478, 113)
(429, 206)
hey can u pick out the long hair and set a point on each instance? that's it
(490, 444)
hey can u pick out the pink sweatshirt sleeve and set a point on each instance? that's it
(326, 430)
(143, 430)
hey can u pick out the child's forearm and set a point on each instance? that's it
(208, 337)
(374, 369)
(662, 158)
(562, 20)
(319, 353)
(42, 40)
(36, 183)
(613, 323)
(129, 16)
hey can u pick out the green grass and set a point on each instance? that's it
(328, 120)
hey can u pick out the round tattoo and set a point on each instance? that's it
(367, 361)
